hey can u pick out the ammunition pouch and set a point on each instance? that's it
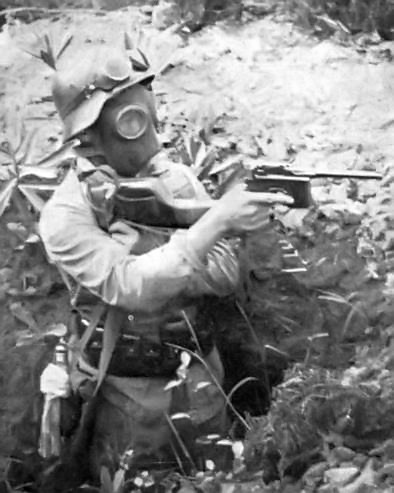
(137, 355)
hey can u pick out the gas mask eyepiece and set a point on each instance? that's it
(132, 122)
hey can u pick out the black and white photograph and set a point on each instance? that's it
(197, 246)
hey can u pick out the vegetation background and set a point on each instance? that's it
(308, 83)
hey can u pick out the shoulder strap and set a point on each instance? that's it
(113, 323)
(79, 346)
(98, 312)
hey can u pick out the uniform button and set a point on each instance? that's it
(130, 318)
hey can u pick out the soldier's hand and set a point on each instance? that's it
(238, 211)
(124, 234)
(243, 211)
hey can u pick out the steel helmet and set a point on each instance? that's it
(83, 86)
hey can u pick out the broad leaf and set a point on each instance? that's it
(320, 335)
(180, 416)
(185, 359)
(18, 229)
(41, 190)
(31, 195)
(24, 315)
(57, 330)
(105, 480)
(25, 338)
(48, 59)
(186, 150)
(24, 153)
(119, 481)
(200, 155)
(47, 49)
(145, 60)
(224, 441)
(32, 238)
(192, 146)
(6, 153)
(173, 383)
(238, 449)
(43, 173)
(213, 436)
(6, 190)
(65, 43)
(5, 173)
(202, 385)
(206, 166)
(31, 53)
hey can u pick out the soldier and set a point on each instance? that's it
(154, 281)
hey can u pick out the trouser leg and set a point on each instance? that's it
(135, 417)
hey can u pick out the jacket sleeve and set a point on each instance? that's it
(220, 274)
(93, 258)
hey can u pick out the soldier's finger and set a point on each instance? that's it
(261, 221)
(270, 198)
(120, 227)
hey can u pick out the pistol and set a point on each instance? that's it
(297, 182)
(146, 200)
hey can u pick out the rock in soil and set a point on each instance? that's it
(343, 454)
(339, 476)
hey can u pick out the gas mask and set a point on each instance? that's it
(126, 130)
(108, 91)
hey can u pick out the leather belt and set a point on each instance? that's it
(137, 355)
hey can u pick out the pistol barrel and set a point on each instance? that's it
(358, 175)
(284, 170)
